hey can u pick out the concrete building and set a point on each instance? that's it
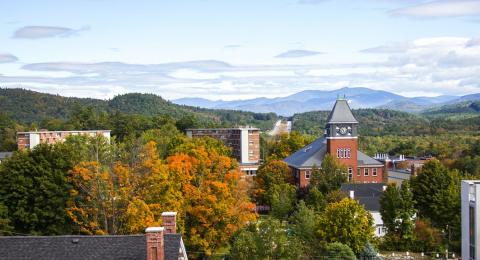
(471, 219)
(28, 140)
(341, 141)
(244, 142)
(368, 195)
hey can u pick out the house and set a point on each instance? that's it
(28, 140)
(470, 219)
(158, 243)
(244, 142)
(341, 141)
(368, 195)
(5, 155)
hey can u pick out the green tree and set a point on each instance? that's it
(339, 251)
(397, 210)
(330, 176)
(34, 189)
(285, 145)
(281, 199)
(346, 222)
(303, 223)
(270, 174)
(5, 227)
(436, 191)
(368, 252)
(268, 240)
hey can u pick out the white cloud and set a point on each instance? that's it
(38, 32)
(7, 57)
(297, 54)
(444, 8)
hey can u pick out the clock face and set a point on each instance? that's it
(343, 130)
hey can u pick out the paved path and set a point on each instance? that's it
(281, 127)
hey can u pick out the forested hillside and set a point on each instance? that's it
(374, 122)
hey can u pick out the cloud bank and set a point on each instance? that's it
(427, 66)
(444, 8)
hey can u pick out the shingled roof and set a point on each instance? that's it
(367, 194)
(341, 113)
(310, 155)
(84, 247)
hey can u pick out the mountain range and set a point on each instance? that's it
(313, 100)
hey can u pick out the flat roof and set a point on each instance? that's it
(72, 131)
(233, 128)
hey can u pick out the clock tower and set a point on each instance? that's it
(342, 137)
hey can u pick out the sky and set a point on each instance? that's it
(239, 49)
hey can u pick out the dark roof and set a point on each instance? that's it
(341, 113)
(367, 194)
(84, 247)
(363, 160)
(310, 155)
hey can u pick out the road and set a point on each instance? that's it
(281, 127)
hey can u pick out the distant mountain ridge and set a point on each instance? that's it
(314, 100)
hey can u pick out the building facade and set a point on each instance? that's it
(244, 142)
(471, 219)
(340, 140)
(28, 140)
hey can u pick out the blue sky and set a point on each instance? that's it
(221, 49)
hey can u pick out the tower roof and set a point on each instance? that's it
(341, 113)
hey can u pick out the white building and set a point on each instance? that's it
(471, 219)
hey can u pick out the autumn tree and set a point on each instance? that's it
(283, 146)
(270, 174)
(346, 222)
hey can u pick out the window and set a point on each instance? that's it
(338, 153)
(348, 153)
(307, 175)
(374, 172)
(358, 172)
(350, 174)
(365, 171)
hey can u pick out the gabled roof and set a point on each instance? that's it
(85, 247)
(309, 156)
(365, 160)
(367, 194)
(341, 113)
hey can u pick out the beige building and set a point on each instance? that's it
(245, 144)
(28, 140)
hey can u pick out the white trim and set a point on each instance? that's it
(343, 137)
(154, 229)
(169, 213)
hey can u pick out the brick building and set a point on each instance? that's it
(244, 142)
(341, 141)
(31, 139)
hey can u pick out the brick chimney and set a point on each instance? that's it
(169, 222)
(154, 243)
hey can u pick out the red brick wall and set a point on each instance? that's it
(370, 178)
(334, 144)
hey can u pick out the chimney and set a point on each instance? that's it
(154, 243)
(169, 222)
(352, 194)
